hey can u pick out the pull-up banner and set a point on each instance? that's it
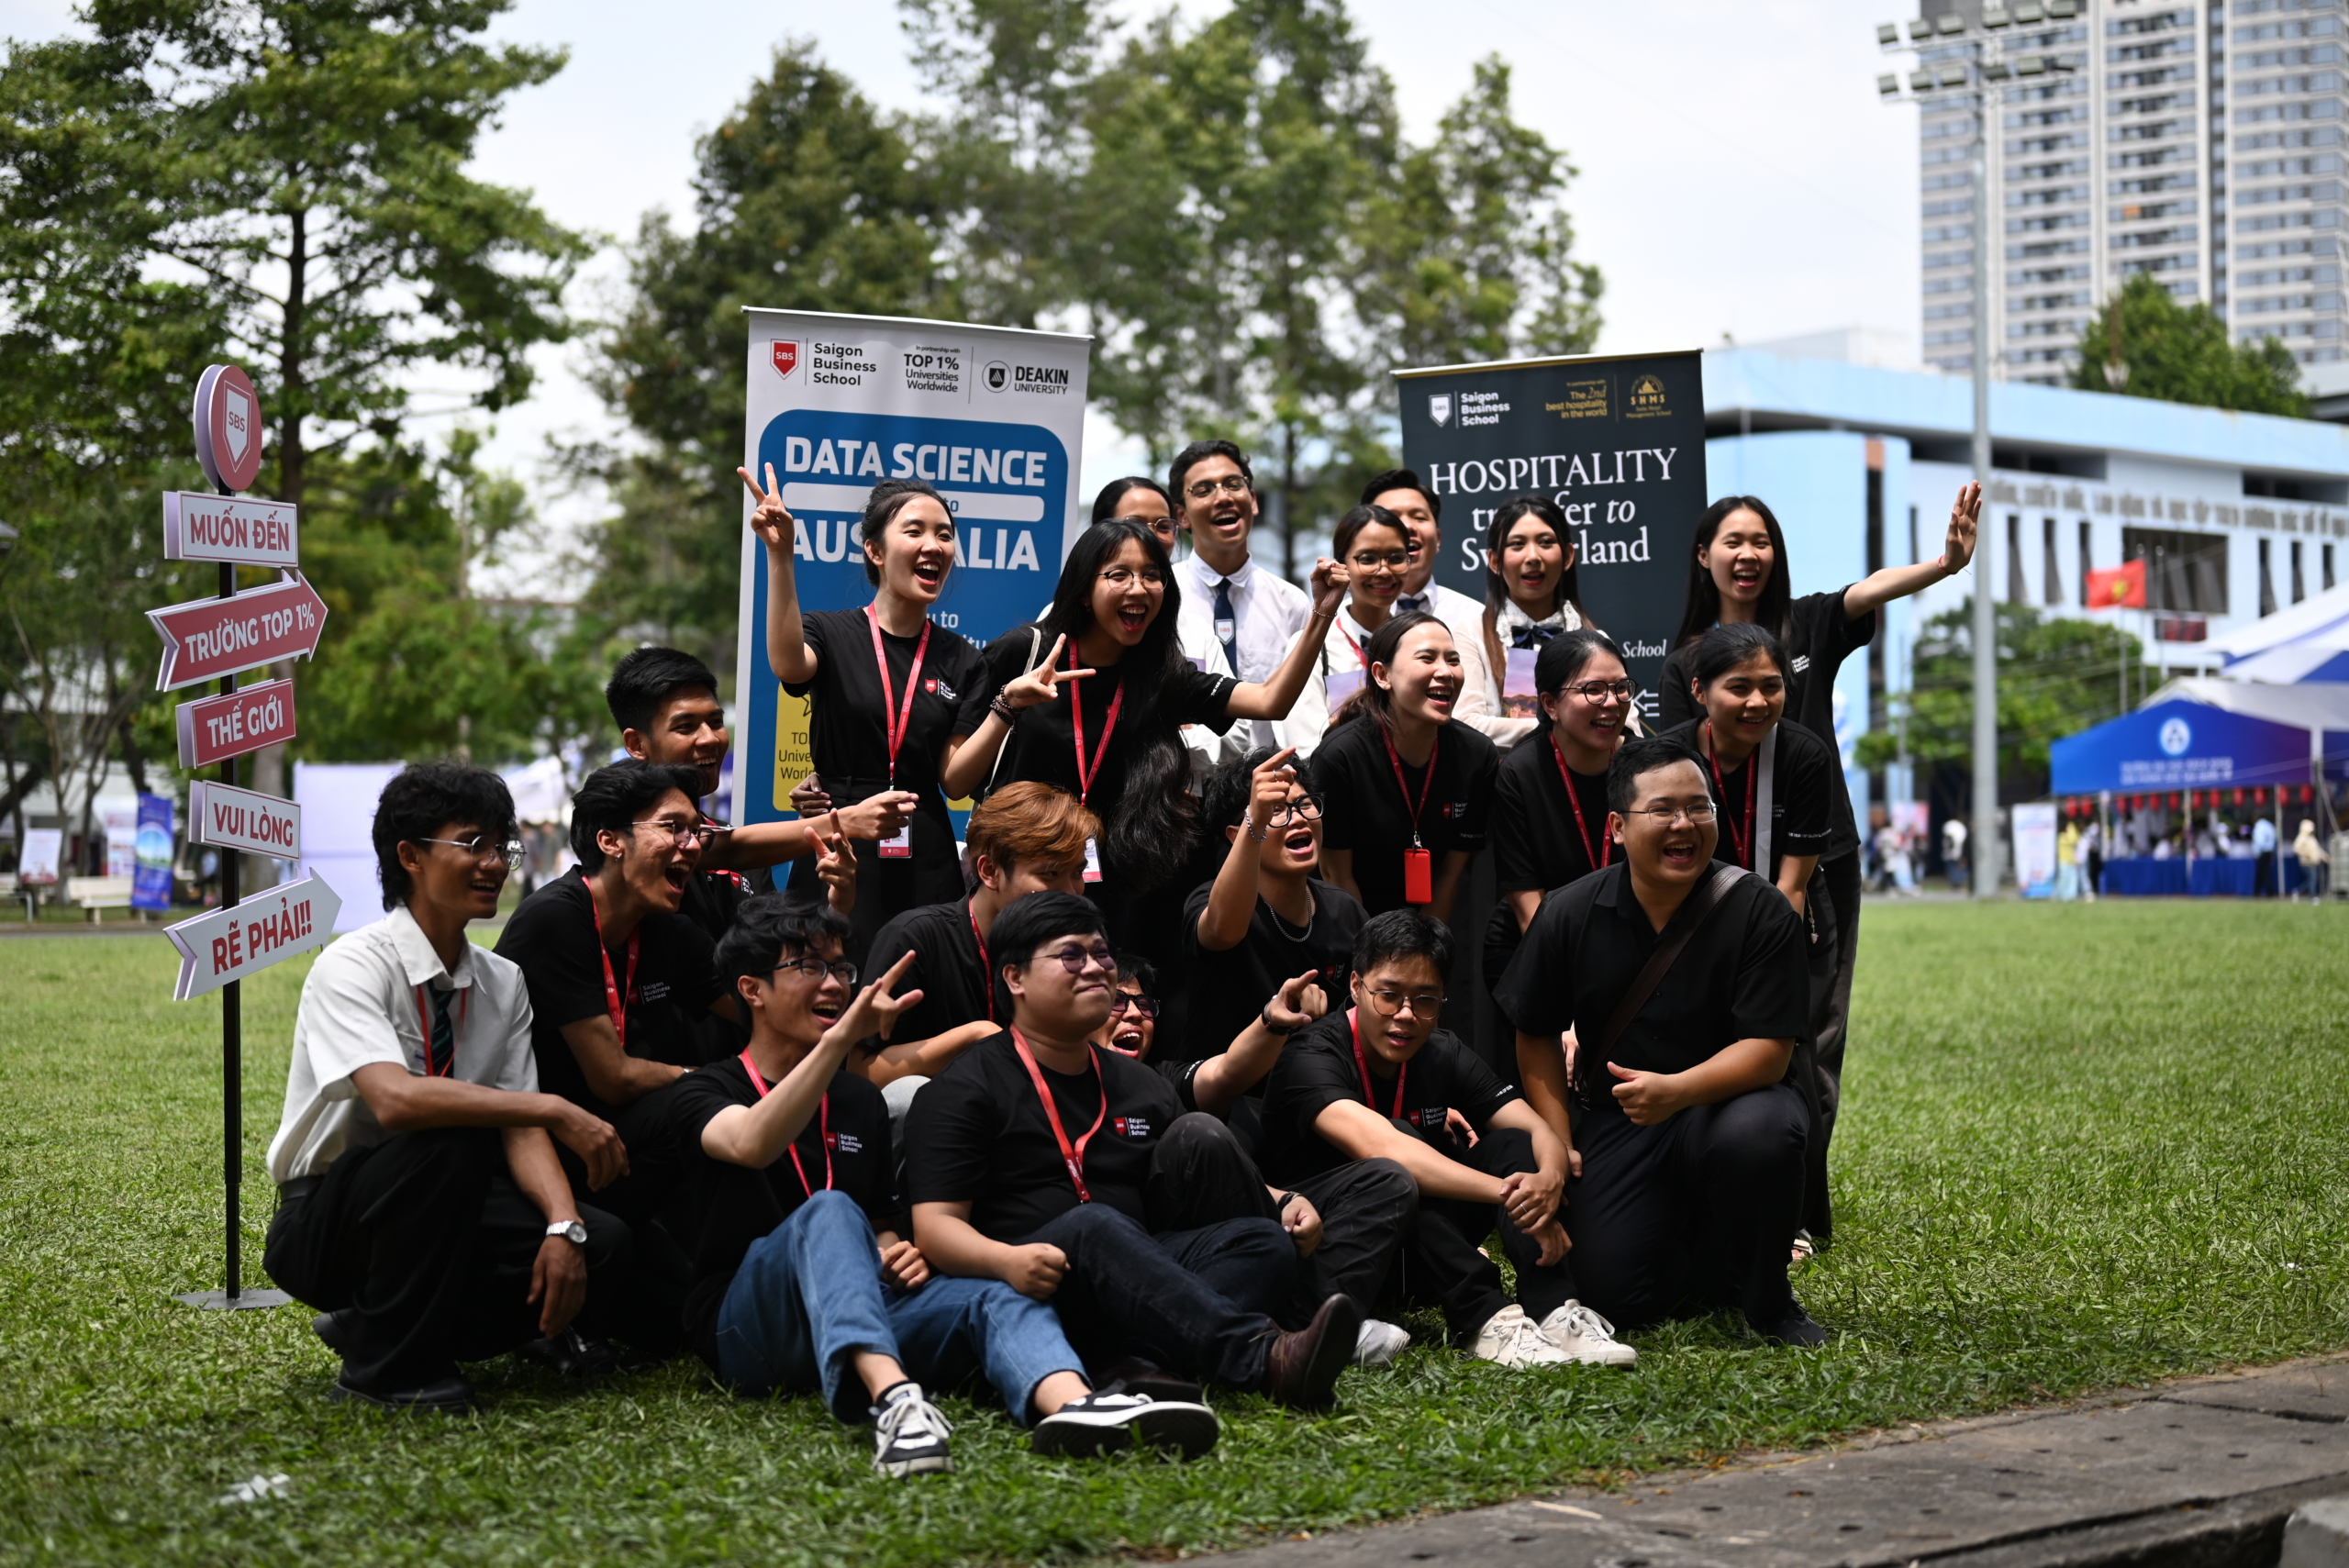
(1617, 441)
(993, 416)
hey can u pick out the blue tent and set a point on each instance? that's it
(2178, 745)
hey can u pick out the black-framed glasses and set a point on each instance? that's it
(1304, 808)
(1121, 1000)
(1073, 959)
(1665, 816)
(1597, 692)
(1122, 577)
(684, 832)
(482, 847)
(1371, 560)
(1230, 484)
(1387, 1004)
(816, 969)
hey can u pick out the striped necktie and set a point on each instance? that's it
(441, 1058)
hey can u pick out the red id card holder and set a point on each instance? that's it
(1419, 877)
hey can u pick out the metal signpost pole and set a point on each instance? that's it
(232, 1022)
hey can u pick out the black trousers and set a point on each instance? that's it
(1830, 1015)
(1368, 1208)
(1442, 1266)
(1692, 1214)
(427, 1243)
(657, 1203)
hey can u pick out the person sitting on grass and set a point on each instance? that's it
(1380, 1086)
(805, 1283)
(420, 1204)
(1692, 1124)
(1071, 1174)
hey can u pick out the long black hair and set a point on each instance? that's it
(1496, 586)
(1373, 700)
(1151, 826)
(1568, 655)
(1703, 607)
(1105, 504)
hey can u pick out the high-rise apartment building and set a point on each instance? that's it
(2199, 141)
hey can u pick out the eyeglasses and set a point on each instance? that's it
(1121, 1000)
(1230, 484)
(684, 832)
(1371, 560)
(1122, 577)
(1304, 808)
(1665, 816)
(481, 847)
(1073, 959)
(816, 969)
(1389, 1003)
(1597, 692)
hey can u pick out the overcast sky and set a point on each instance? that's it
(1737, 174)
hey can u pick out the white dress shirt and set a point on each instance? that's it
(1450, 606)
(365, 1002)
(1267, 611)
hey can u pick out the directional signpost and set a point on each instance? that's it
(220, 639)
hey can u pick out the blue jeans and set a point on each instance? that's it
(810, 1293)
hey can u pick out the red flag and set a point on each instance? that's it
(2121, 587)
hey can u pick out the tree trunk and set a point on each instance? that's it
(267, 772)
(1288, 501)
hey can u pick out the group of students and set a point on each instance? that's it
(1148, 1087)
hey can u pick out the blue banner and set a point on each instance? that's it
(151, 884)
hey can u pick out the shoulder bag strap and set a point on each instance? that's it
(1685, 924)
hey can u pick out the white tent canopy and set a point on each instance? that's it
(2317, 707)
(2307, 643)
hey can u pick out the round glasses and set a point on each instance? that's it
(687, 834)
(1230, 484)
(1073, 959)
(482, 847)
(816, 969)
(1121, 1000)
(1390, 1004)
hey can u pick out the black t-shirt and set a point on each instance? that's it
(978, 1134)
(847, 733)
(1229, 989)
(713, 897)
(1743, 975)
(1538, 845)
(1363, 809)
(1317, 1069)
(553, 938)
(1042, 745)
(1801, 797)
(845, 1145)
(1819, 636)
(947, 967)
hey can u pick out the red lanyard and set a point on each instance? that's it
(1600, 857)
(1073, 1157)
(424, 1022)
(1742, 845)
(1426, 781)
(612, 1002)
(986, 977)
(1086, 775)
(823, 1128)
(1362, 1064)
(896, 729)
(1355, 646)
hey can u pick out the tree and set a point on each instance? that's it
(2144, 343)
(2057, 676)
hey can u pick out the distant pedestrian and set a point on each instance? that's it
(2089, 856)
(2310, 852)
(1953, 851)
(2264, 882)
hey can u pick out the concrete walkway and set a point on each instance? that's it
(2199, 1474)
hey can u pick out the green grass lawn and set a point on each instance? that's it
(2082, 1145)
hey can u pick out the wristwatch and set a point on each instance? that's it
(571, 1230)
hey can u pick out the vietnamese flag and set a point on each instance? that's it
(2121, 587)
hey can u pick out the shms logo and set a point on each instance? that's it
(1439, 408)
(998, 376)
(1646, 399)
(2176, 737)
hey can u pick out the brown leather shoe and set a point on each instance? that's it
(1302, 1368)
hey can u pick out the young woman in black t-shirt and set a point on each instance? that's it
(1111, 734)
(886, 683)
(1550, 798)
(1740, 679)
(1405, 791)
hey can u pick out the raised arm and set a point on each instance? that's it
(968, 757)
(1880, 588)
(788, 654)
(1273, 698)
(1231, 901)
(757, 1135)
(1242, 1065)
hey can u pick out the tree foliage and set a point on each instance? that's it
(2145, 344)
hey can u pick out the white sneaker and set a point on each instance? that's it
(1379, 1343)
(1586, 1337)
(909, 1435)
(1510, 1338)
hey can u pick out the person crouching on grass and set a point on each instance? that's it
(1691, 1137)
(805, 1281)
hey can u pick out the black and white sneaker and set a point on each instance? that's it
(1100, 1423)
(909, 1435)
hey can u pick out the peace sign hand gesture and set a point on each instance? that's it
(1043, 683)
(874, 1011)
(770, 520)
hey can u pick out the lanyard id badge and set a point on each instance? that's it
(1419, 865)
(1092, 859)
(896, 719)
(900, 845)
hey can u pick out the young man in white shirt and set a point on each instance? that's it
(422, 1206)
(1230, 602)
(1401, 492)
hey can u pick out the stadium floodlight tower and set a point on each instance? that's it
(1971, 64)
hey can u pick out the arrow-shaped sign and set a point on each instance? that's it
(234, 818)
(247, 937)
(206, 639)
